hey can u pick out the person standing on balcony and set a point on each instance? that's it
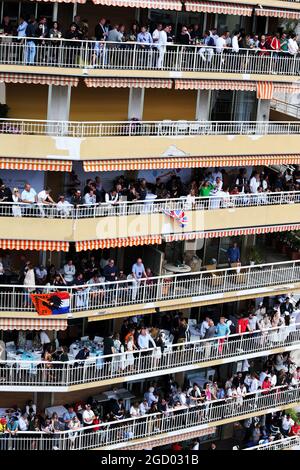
(162, 45)
(222, 330)
(31, 33)
(69, 272)
(21, 30)
(100, 31)
(233, 254)
(293, 47)
(29, 197)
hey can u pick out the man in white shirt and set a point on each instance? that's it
(286, 424)
(204, 327)
(214, 35)
(144, 339)
(221, 44)
(90, 198)
(44, 198)
(235, 42)
(41, 274)
(23, 423)
(63, 207)
(293, 45)
(69, 272)
(155, 34)
(88, 416)
(138, 270)
(162, 45)
(254, 182)
(263, 375)
(216, 174)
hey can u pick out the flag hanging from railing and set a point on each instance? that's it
(178, 215)
(55, 303)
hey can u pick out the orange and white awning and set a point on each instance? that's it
(231, 233)
(38, 79)
(33, 324)
(118, 242)
(264, 90)
(189, 162)
(38, 245)
(218, 7)
(276, 13)
(156, 4)
(127, 83)
(185, 84)
(35, 164)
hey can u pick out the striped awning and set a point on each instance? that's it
(127, 83)
(239, 85)
(189, 162)
(185, 84)
(118, 242)
(264, 90)
(156, 4)
(35, 164)
(231, 233)
(289, 14)
(38, 79)
(38, 245)
(219, 7)
(33, 324)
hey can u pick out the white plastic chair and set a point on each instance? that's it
(84, 338)
(182, 127)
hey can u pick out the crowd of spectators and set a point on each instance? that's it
(217, 183)
(149, 37)
(164, 399)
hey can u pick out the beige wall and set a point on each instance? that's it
(94, 148)
(99, 104)
(27, 101)
(169, 104)
(145, 224)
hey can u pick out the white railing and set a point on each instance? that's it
(134, 56)
(169, 287)
(123, 433)
(147, 206)
(282, 444)
(152, 362)
(166, 128)
(285, 107)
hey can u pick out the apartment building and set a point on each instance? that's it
(165, 116)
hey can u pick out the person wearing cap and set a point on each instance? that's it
(286, 307)
(88, 416)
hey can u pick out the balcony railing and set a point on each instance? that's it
(136, 56)
(166, 128)
(147, 206)
(285, 107)
(170, 288)
(114, 435)
(282, 444)
(151, 362)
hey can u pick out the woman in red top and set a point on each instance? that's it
(266, 385)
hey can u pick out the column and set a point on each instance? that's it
(267, 25)
(263, 110)
(2, 93)
(203, 105)
(55, 11)
(136, 103)
(59, 98)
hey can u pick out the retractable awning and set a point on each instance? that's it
(239, 85)
(127, 83)
(39, 245)
(33, 324)
(118, 242)
(276, 13)
(219, 7)
(38, 79)
(155, 4)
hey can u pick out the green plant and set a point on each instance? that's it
(254, 254)
(3, 110)
(293, 413)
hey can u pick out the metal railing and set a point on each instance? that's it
(153, 361)
(285, 107)
(169, 287)
(165, 128)
(135, 56)
(147, 206)
(118, 434)
(282, 444)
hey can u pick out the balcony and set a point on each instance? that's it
(153, 429)
(104, 59)
(289, 443)
(105, 145)
(97, 372)
(108, 223)
(126, 298)
(284, 107)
